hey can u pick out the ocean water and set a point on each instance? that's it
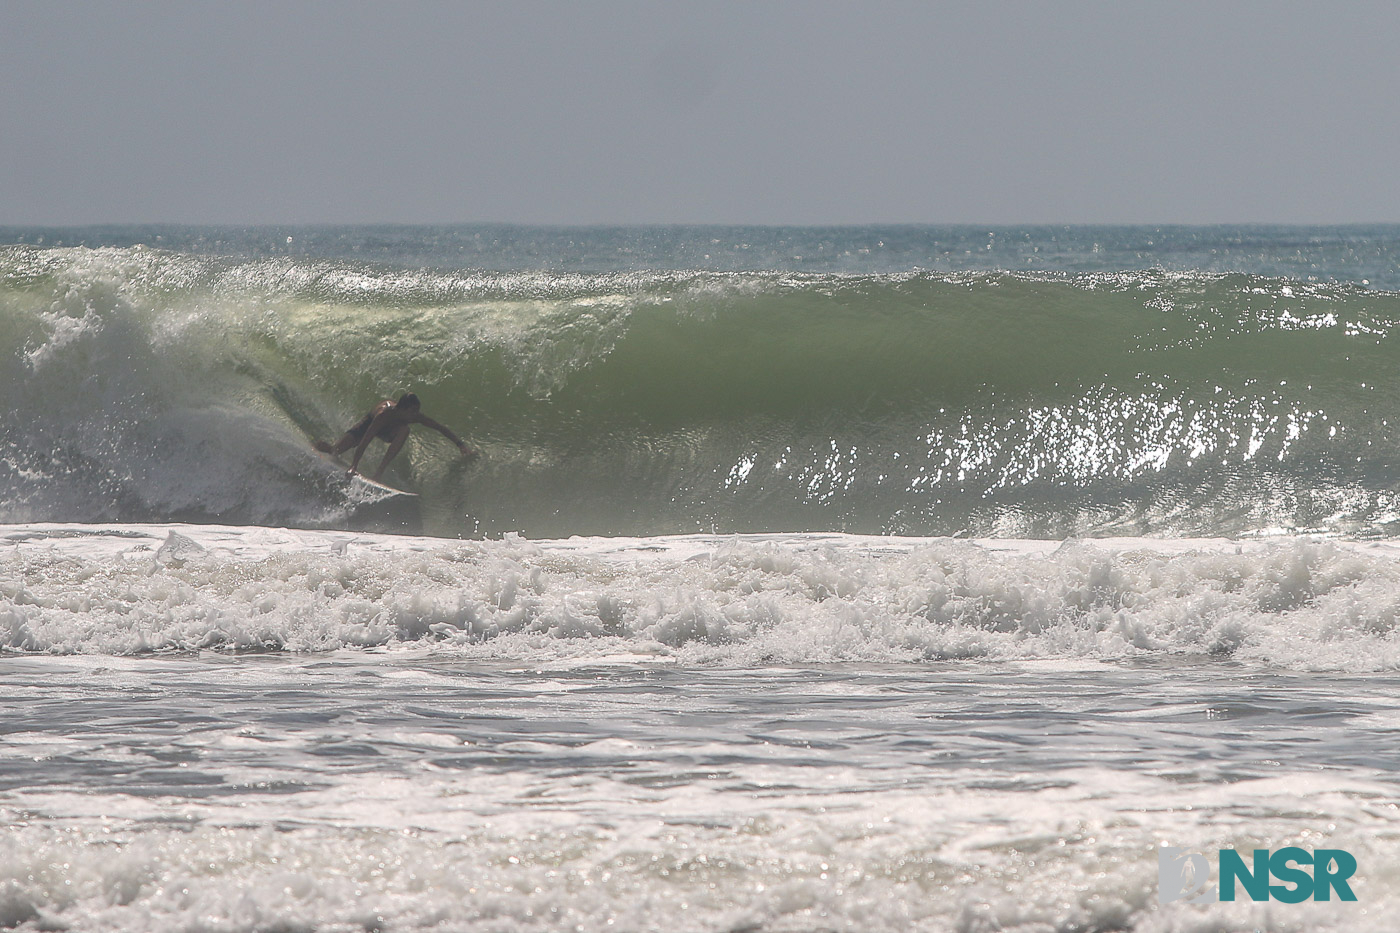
(809, 579)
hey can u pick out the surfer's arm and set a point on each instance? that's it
(447, 433)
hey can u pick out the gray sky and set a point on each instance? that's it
(755, 112)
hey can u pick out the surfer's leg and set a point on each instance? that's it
(350, 438)
(400, 436)
(347, 440)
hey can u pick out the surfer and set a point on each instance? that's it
(389, 421)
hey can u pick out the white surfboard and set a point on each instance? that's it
(359, 480)
(376, 506)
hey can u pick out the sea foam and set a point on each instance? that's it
(1295, 603)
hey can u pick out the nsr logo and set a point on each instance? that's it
(1183, 875)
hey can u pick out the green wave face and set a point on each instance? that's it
(154, 385)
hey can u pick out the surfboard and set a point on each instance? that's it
(375, 506)
(360, 480)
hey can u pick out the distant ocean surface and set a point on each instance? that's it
(867, 579)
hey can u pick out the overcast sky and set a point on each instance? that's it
(718, 112)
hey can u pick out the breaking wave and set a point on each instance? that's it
(146, 385)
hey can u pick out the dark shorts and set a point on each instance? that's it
(358, 429)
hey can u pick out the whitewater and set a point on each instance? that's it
(809, 579)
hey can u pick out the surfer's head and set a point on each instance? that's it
(408, 402)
